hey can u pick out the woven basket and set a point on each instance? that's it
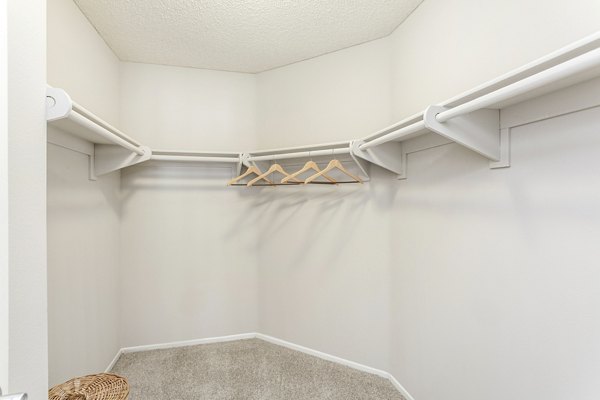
(91, 387)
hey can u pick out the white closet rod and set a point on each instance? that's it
(405, 131)
(60, 106)
(195, 159)
(91, 116)
(574, 66)
(561, 71)
(303, 154)
(102, 131)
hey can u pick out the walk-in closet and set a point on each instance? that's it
(299, 200)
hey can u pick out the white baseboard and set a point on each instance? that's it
(114, 361)
(269, 339)
(184, 343)
(399, 387)
(322, 355)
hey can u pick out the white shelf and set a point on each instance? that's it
(466, 119)
(470, 119)
(70, 117)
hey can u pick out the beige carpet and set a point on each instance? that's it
(245, 370)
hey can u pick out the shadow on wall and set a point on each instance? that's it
(303, 218)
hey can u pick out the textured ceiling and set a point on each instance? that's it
(239, 35)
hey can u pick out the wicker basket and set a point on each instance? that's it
(91, 387)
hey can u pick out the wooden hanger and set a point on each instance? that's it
(333, 164)
(251, 170)
(308, 166)
(274, 168)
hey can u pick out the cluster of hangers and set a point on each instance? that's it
(262, 178)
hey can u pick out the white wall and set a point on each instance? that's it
(28, 342)
(80, 62)
(325, 268)
(83, 259)
(494, 271)
(447, 47)
(188, 255)
(397, 275)
(318, 284)
(83, 215)
(340, 96)
(188, 262)
(429, 228)
(174, 108)
(4, 316)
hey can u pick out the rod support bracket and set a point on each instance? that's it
(387, 155)
(478, 131)
(108, 158)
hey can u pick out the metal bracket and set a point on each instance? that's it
(478, 131)
(108, 158)
(387, 155)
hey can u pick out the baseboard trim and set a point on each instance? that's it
(322, 355)
(184, 343)
(114, 361)
(270, 339)
(399, 387)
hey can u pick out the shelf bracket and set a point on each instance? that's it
(478, 131)
(504, 161)
(387, 155)
(108, 158)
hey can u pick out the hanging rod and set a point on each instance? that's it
(158, 157)
(195, 156)
(394, 135)
(564, 70)
(302, 154)
(61, 107)
(105, 133)
(561, 71)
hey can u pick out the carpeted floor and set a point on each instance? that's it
(245, 370)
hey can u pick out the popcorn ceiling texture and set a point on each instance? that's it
(243, 36)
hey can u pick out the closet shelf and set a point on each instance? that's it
(471, 119)
(69, 116)
(113, 150)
